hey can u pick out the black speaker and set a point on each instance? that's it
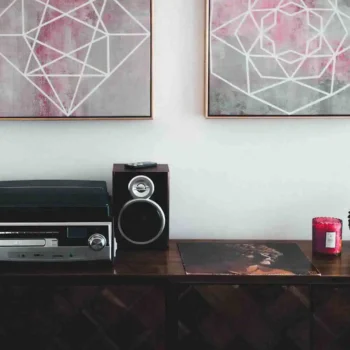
(141, 207)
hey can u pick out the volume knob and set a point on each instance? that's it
(97, 242)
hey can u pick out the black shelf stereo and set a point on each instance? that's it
(141, 207)
(55, 221)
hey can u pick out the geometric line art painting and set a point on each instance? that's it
(81, 59)
(278, 58)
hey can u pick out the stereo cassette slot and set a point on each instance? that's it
(22, 242)
(29, 232)
(32, 232)
(49, 242)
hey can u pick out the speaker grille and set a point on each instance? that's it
(141, 221)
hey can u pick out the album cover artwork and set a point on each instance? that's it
(219, 258)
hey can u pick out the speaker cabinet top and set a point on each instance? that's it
(160, 168)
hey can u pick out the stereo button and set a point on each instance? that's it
(97, 242)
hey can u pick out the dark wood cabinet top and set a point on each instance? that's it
(157, 266)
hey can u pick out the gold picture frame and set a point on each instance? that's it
(108, 118)
(207, 73)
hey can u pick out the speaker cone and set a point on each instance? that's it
(141, 187)
(141, 221)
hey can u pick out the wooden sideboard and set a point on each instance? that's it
(146, 301)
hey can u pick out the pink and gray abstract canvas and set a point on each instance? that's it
(75, 58)
(279, 57)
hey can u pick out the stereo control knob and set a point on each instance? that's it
(97, 242)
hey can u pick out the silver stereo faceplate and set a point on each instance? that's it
(48, 249)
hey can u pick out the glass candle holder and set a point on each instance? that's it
(327, 236)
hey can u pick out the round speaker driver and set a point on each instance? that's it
(141, 221)
(141, 187)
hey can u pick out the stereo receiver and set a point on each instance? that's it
(55, 220)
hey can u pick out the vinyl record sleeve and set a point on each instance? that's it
(212, 258)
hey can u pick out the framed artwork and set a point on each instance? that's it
(81, 59)
(277, 58)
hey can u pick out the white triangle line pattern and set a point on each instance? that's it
(69, 55)
(299, 82)
(31, 38)
(45, 75)
(135, 19)
(30, 81)
(337, 15)
(68, 15)
(114, 70)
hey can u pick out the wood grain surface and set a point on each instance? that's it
(153, 266)
(39, 311)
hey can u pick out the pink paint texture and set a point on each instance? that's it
(291, 32)
(56, 34)
(342, 65)
(224, 10)
(266, 4)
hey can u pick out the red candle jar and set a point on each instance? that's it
(327, 235)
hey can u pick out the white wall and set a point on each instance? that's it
(229, 178)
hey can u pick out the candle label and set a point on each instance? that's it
(330, 239)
